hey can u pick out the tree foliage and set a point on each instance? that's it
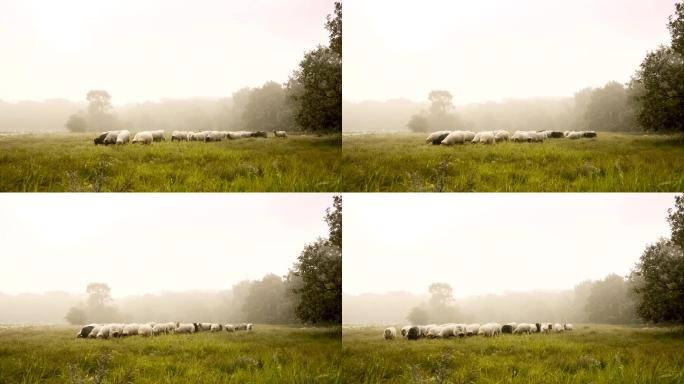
(418, 316)
(334, 220)
(76, 316)
(609, 110)
(334, 26)
(418, 123)
(267, 301)
(439, 117)
(609, 301)
(675, 217)
(267, 108)
(76, 123)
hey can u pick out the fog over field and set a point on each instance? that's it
(163, 256)
(503, 255)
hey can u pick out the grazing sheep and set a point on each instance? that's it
(185, 328)
(521, 137)
(523, 328)
(413, 333)
(104, 332)
(180, 136)
(215, 136)
(100, 138)
(543, 328)
(589, 134)
(567, 327)
(434, 331)
(85, 331)
(501, 135)
(158, 135)
(390, 333)
(447, 331)
(468, 136)
(93, 333)
(455, 137)
(282, 134)
(216, 328)
(262, 134)
(111, 137)
(249, 326)
(404, 330)
(489, 330)
(435, 138)
(158, 329)
(229, 327)
(574, 135)
(145, 330)
(472, 329)
(130, 330)
(508, 328)
(484, 138)
(115, 330)
(557, 328)
(123, 137)
(143, 137)
(555, 134)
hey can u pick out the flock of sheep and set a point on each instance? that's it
(493, 137)
(147, 137)
(105, 331)
(445, 331)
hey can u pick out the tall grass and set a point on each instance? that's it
(269, 354)
(70, 162)
(611, 163)
(589, 354)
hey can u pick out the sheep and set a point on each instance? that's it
(472, 329)
(158, 135)
(557, 328)
(104, 332)
(179, 136)
(145, 330)
(434, 331)
(543, 328)
(205, 326)
(589, 134)
(424, 329)
(390, 333)
(447, 331)
(567, 327)
(85, 331)
(574, 135)
(435, 138)
(214, 136)
(404, 330)
(259, 134)
(455, 137)
(158, 329)
(484, 137)
(489, 330)
(282, 134)
(413, 333)
(185, 328)
(115, 330)
(508, 328)
(123, 137)
(93, 333)
(143, 137)
(468, 136)
(537, 137)
(130, 330)
(523, 328)
(501, 135)
(216, 328)
(229, 327)
(249, 326)
(555, 134)
(100, 138)
(460, 330)
(111, 137)
(521, 136)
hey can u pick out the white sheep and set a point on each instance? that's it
(390, 333)
(404, 330)
(434, 331)
(111, 137)
(130, 330)
(104, 332)
(447, 331)
(115, 330)
(468, 136)
(249, 326)
(472, 329)
(95, 331)
(143, 137)
(501, 135)
(179, 136)
(557, 328)
(158, 135)
(574, 135)
(229, 327)
(489, 330)
(567, 327)
(158, 329)
(145, 330)
(123, 137)
(523, 328)
(185, 328)
(214, 136)
(536, 137)
(282, 134)
(437, 137)
(484, 137)
(455, 137)
(216, 328)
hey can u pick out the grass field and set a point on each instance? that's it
(71, 162)
(610, 163)
(589, 354)
(269, 354)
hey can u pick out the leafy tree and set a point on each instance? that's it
(316, 86)
(441, 102)
(267, 108)
(609, 301)
(316, 278)
(418, 123)
(76, 123)
(418, 316)
(609, 110)
(676, 220)
(658, 280)
(266, 302)
(442, 307)
(659, 83)
(334, 26)
(76, 316)
(99, 294)
(99, 306)
(99, 102)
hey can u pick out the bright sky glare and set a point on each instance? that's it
(146, 50)
(495, 49)
(490, 243)
(147, 243)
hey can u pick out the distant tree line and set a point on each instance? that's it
(310, 101)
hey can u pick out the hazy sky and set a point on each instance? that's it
(146, 243)
(491, 243)
(494, 49)
(145, 50)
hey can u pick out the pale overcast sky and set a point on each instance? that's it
(490, 243)
(149, 49)
(495, 49)
(147, 243)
